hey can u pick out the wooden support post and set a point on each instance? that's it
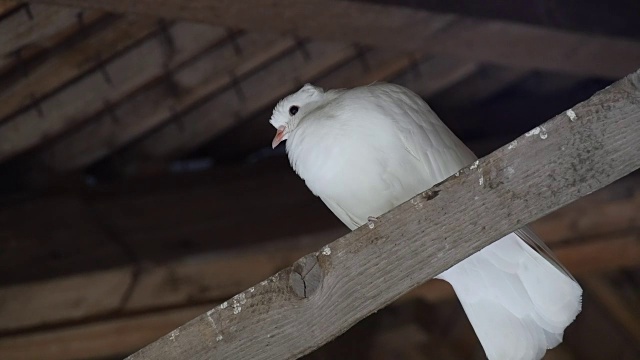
(324, 293)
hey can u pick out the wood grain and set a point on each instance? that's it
(73, 62)
(404, 29)
(156, 106)
(568, 157)
(96, 90)
(259, 92)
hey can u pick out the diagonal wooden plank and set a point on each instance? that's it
(32, 23)
(8, 6)
(72, 63)
(405, 29)
(109, 83)
(156, 106)
(259, 91)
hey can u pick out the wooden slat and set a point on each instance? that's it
(108, 84)
(156, 106)
(7, 6)
(485, 82)
(405, 29)
(573, 15)
(569, 156)
(101, 339)
(259, 91)
(436, 74)
(73, 62)
(32, 24)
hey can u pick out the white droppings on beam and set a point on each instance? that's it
(371, 224)
(219, 337)
(326, 251)
(238, 300)
(263, 282)
(213, 323)
(572, 115)
(512, 145)
(416, 203)
(543, 133)
(252, 289)
(534, 131)
(173, 335)
(538, 130)
(224, 305)
(241, 298)
(481, 180)
(236, 309)
(475, 165)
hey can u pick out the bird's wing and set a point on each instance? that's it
(425, 136)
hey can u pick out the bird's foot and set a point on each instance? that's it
(371, 221)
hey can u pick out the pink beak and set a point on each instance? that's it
(279, 136)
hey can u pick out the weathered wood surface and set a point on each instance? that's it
(324, 293)
(157, 105)
(500, 42)
(73, 62)
(265, 87)
(105, 85)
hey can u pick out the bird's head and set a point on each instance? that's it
(288, 112)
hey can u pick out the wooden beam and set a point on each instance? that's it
(8, 6)
(405, 29)
(572, 155)
(617, 17)
(32, 23)
(110, 83)
(155, 106)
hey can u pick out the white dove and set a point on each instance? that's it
(368, 149)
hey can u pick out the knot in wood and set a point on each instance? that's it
(306, 276)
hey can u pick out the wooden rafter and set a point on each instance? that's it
(155, 106)
(226, 110)
(197, 127)
(405, 29)
(72, 63)
(106, 84)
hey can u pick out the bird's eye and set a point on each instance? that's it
(293, 110)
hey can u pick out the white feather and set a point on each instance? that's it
(366, 150)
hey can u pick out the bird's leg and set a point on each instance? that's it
(371, 220)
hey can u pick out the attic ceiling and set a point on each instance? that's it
(87, 89)
(134, 138)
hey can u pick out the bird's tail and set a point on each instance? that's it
(519, 301)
